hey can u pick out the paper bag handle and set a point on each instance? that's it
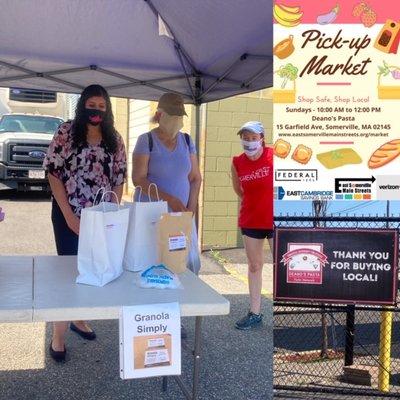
(97, 193)
(140, 193)
(148, 191)
(104, 194)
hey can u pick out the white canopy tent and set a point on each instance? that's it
(205, 50)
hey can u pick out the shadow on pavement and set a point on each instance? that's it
(14, 195)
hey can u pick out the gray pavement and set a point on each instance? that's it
(236, 365)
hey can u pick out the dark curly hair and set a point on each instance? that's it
(79, 132)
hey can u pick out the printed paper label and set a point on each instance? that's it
(177, 243)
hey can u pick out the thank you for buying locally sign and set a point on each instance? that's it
(336, 265)
(150, 340)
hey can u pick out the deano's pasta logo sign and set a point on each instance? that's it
(304, 263)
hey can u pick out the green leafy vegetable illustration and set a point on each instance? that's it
(288, 73)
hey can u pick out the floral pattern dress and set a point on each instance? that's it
(86, 169)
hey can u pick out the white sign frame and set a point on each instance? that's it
(139, 327)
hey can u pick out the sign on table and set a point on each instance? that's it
(336, 265)
(150, 341)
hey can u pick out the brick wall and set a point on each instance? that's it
(139, 122)
(120, 111)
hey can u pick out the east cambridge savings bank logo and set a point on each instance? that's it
(304, 263)
(280, 193)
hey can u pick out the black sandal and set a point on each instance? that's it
(58, 356)
(85, 335)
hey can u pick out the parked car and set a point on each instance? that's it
(24, 139)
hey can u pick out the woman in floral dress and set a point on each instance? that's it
(86, 154)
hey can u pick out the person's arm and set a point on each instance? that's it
(237, 187)
(59, 193)
(195, 184)
(54, 165)
(119, 171)
(118, 190)
(140, 163)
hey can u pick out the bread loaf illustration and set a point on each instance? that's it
(384, 154)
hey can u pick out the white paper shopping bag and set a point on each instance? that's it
(141, 244)
(102, 237)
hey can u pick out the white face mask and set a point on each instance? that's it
(251, 148)
(171, 124)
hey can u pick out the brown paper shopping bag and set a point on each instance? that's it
(174, 235)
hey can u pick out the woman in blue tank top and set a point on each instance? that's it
(167, 157)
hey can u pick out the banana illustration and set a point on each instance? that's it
(286, 16)
(286, 23)
(294, 10)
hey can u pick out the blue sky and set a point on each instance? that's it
(357, 208)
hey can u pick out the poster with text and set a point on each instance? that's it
(150, 340)
(336, 265)
(336, 99)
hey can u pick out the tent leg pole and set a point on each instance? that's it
(164, 384)
(198, 123)
(197, 143)
(197, 356)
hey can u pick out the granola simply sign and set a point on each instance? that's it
(150, 341)
(336, 100)
(336, 265)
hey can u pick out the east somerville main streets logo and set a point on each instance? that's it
(304, 262)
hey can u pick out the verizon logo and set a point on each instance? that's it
(389, 187)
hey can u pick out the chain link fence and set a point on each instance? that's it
(326, 351)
